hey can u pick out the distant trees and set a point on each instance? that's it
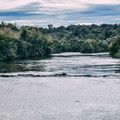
(114, 47)
(90, 46)
(83, 38)
(7, 48)
(24, 43)
(29, 42)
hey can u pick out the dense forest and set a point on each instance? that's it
(22, 43)
(29, 42)
(86, 38)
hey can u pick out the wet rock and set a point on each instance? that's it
(60, 75)
(64, 74)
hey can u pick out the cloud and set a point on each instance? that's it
(63, 12)
(26, 10)
(55, 4)
(9, 4)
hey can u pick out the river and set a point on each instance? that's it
(66, 86)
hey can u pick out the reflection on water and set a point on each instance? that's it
(21, 66)
(69, 63)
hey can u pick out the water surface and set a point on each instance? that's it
(69, 63)
(38, 89)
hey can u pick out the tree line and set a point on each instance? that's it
(22, 43)
(29, 42)
(87, 38)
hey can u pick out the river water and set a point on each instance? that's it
(66, 86)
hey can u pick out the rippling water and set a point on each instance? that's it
(69, 63)
(66, 86)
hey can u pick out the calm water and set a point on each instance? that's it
(89, 89)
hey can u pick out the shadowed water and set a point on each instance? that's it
(67, 86)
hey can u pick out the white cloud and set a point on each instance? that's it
(55, 4)
(104, 1)
(12, 4)
(63, 12)
(73, 4)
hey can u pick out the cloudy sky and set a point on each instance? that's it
(59, 12)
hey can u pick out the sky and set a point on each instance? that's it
(59, 12)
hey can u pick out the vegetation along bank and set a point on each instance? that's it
(29, 42)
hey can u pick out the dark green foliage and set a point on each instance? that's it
(115, 47)
(83, 38)
(56, 47)
(87, 47)
(7, 48)
(29, 44)
(24, 34)
(90, 46)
